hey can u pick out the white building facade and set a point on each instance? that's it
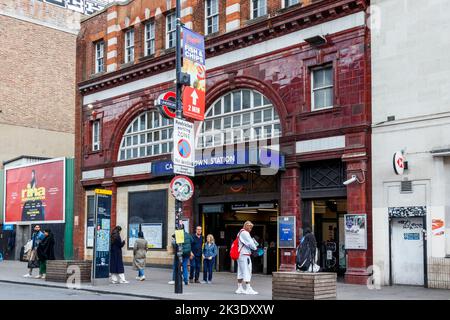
(411, 114)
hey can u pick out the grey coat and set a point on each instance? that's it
(140, 253)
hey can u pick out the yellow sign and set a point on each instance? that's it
(103, 191)
(179, 236)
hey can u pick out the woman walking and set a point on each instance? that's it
(116, 263)
(209, 257)
(140, 254)
(46, 251)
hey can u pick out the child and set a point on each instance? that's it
(209, 257)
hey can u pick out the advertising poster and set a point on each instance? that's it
(133, 230)
(35, 193)
(286, 232)
(355, 231)
(153, 233)
(102, 233)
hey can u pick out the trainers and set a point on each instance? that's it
(171, 282)
(37, 277)
(209, 282)
(250, 290)
(124, 281)
(27, 275)
(240, 290)
(43, 276)
(142, 278)
(203, 282)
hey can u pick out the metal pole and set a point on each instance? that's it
(179, 115)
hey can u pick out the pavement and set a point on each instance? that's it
(224, 284)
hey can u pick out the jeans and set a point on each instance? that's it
(140, 272)
(196, 264)
(184, 266)
(208, 269)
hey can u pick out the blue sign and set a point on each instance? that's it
(193, 46)
(286, 232)
(242, 158)
(8, 227)
(102, 235)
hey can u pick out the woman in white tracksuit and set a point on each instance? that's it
(246, 245)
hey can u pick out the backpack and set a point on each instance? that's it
(187, 244)
(234, 251)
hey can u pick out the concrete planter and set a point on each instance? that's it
(61, 270)
(303, 286)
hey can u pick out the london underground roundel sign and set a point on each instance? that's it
(399, 163)
(181, 188)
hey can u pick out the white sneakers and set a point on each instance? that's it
(27, 275)
(248, 290)
(171, 282)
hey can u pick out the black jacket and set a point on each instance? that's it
(46, 249)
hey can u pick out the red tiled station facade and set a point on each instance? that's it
(283, 76)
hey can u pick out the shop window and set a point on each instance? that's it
(259, 8)
(149, 134)
(288, 3)
(90, 210)
(99, 56)
(129, 46)
(239, 116)
(212, 16)
(149, 38)
(147, 212)
(96, 135)
(170, 31)
(322, 88)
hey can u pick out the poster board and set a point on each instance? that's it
(355, 231)
(153, 233)
(286, 232)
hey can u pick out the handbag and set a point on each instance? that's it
(33, 261)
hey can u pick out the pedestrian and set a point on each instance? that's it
(196, 261)
(45, 252)
(140, 254)
(246, 245)
(209, 258)
(116, 267)
(33, 260)
(175, 260)
(187, 255)
(306, 253)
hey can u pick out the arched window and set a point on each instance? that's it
(148, 135)
(239, 116)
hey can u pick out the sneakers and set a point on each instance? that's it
(142, 278)
(209, 282)
(171, 282)
(43, 276)
(240, 290)
(123, 281)
(203, 282)
(38, 276)
(27, 275)
(250, 290)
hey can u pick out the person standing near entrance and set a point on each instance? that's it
(140, 254)
(246, 245)
(196, 261)
(33, 260)
(209, 257)
(116, 267)
(45, 252)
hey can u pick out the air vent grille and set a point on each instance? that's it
(406, 186)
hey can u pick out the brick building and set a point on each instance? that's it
(294, 72)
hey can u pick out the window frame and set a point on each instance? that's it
(99, 67)
(288, 3)
(211, 16)
(332, 86)
(171, 31)
(149, 42)
(96, 132)
(252, 8)
(129, 58)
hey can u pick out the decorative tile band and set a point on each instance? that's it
(403, 212)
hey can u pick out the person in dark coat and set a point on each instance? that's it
(196, 259)
(116, 267)
(306, 252)
(46, 251)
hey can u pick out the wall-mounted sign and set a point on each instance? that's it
(399, 163)
(183, 150)
(166, 104)
(35, 193)
(102, 233)
(194, 65)
(438, 227)
(286, 232)
(355, 231)
(182, 188)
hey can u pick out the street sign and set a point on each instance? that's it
(8, 227)
(399, 163)
(182, 188)
(166, 104)
(184, 150)
(194, 65)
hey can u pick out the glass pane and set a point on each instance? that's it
(170, 146)
(135, 152)
(156, 121)
(245, 99)
(150, 120)
(217, 124)
(164, 122)
(267, 131)
(227, 103)
(237, 101)
(218, 139)
(156, 149)
(135, 125)
(227, 122)
(128, 141)
(267, 115)
(266, 101)
(164, 134)
(142, 139)
(122, 155)
(142, 152)
(208, 125)
(142, 126)
(128, 153)
(135, 140)
(123, 143)
(149, 137)
(149, 150)
(237, 136)
(208, 142)
(218, 108)
(323, 98)
(257, 133)
(164, 148)
(246, 133)
(228, 137)
(257, 99)
(156, 136)
(275, 115)
(257, 117)
(328, 73)
(236, 120)
(170, 133)
(277, 130)
(246, 118)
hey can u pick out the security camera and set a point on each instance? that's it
(349, 181)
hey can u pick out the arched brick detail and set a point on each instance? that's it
(245, 82)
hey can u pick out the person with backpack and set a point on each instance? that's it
(244, 244)
(187, 255)
(306, 253)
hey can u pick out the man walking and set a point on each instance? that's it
(196, 261)
(246, 245)
(33, 261)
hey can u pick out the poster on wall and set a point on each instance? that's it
(102, 230)
(153, 234)
(286, 232)
(35, 193)
(355, 231)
